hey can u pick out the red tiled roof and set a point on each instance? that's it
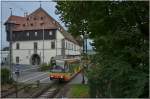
(39, 19)
(16, 19)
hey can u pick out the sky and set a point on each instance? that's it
(19, 8)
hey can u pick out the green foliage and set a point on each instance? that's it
(120, 32)
(79, 91)
(6, 76)
(45, 67)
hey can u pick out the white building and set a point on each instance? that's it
(38, 37)
(4, 56)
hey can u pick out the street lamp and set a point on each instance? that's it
(85, 57)
(83, 79)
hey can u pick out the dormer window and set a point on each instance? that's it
(41, 24)
(50, 33)
(34, 18)
(54, 22)
(27, 18)
(35, 33)
(41, 18)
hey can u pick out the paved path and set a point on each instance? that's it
(33, 77)
(30, 74)
(78, 79)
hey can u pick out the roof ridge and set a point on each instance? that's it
(56, 24)
(17, 16)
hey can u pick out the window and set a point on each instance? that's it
(66, 45)
(72, 46)
(34, 18)
(53, 22)
(59, 28)
(31, 24)
(75, 47)
(35, 33)
(41, 18)
(17, 46)
(69, 46)
(53, 45)
(27, 33)
(50, 33)
(27, 18)
(24, 25)
(41, 24)
(17, 59)
(35, 45)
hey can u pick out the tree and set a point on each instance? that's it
(6, 76)
(120, 33)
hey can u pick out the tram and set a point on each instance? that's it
(65, 69)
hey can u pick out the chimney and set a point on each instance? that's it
(25, 14)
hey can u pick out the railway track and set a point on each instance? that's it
(11, 91)
(50, 91)
(55, 88)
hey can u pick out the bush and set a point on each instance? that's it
(79, 91)
(44, 67)
(6, 76)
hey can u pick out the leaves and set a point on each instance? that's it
(120, 34)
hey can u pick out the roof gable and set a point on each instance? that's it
(39, 19)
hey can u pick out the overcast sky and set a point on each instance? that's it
(19, 8)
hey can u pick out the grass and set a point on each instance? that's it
(79, 91)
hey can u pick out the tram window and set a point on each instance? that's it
(66, 67)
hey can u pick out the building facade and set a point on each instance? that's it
(4, 56)
(37, 37)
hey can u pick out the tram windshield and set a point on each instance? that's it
(64, 65)
(59, 67)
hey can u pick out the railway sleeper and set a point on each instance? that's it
(50, 93)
